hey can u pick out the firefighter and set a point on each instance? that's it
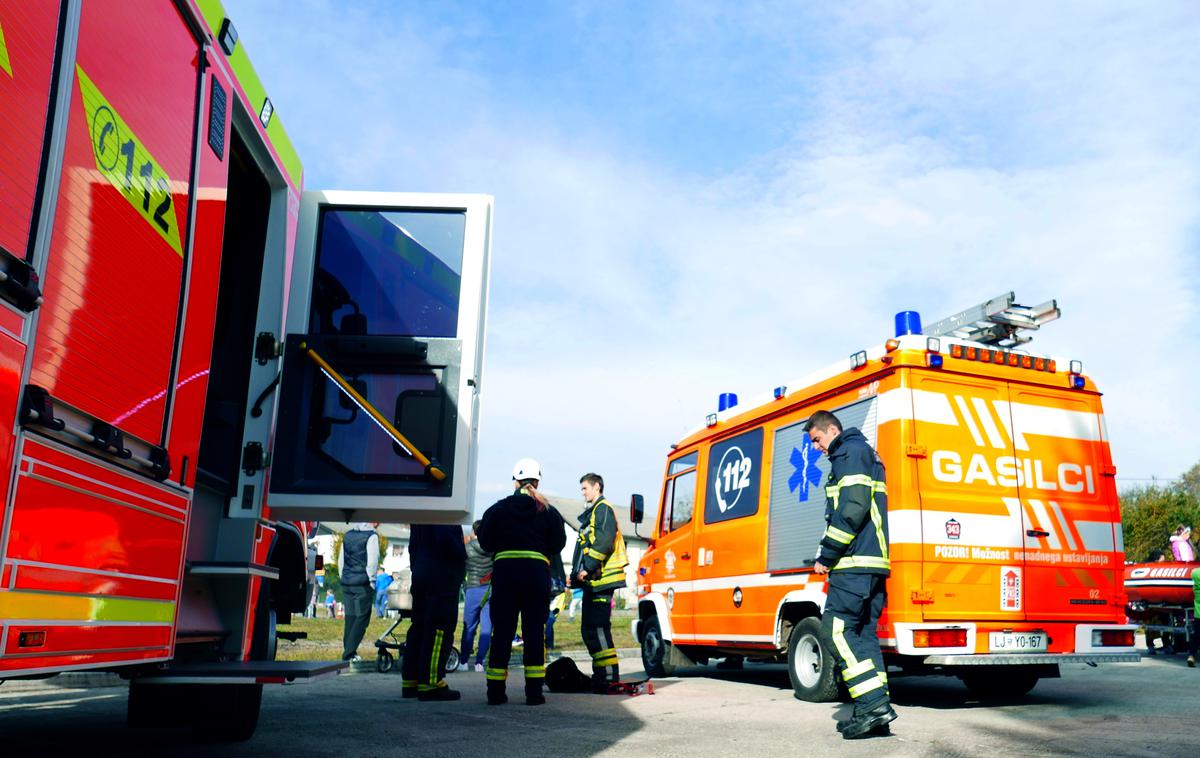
(599, 569)
(854, 554)
(439, 562)
(523, 531)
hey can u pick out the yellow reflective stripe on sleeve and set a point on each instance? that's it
(862, 561)
(128, 165)
(877, 520)
(859, 668)
(4, 62)
(863, 688)
(521, 554)
(594, 553)
(852, 479)
(839, 641)
(496, 675)
(837, 535)
(17, 604)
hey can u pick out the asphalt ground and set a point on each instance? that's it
(1147, 709)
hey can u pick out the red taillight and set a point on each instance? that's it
(31, 639)
(939, 637)
(1112, 638)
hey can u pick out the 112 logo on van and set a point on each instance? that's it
(733, 475)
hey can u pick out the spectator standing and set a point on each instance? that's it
(383, 580)
(477, 614)
(1181, 544)
(357, 561)
(330, 602)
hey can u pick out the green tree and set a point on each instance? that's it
(1149, 514)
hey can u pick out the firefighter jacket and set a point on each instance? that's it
(515, 528)
(438, 557)
(600, 549)
(856, 531)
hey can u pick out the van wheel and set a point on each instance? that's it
(810, 663)
(1000, 683)
(655, 655)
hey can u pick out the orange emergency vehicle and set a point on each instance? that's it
(1006, 546)
(199, 358)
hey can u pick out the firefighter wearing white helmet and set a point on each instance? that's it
(524, 532)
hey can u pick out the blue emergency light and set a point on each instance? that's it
(726, 401)
(908, 322)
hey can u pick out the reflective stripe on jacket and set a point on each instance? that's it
(856, 531)
(600, 548)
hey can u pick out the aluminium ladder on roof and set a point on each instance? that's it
(998, 321)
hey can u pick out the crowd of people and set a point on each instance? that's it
(511, 575)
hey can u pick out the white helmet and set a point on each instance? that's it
(527, 468)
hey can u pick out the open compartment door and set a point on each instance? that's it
(379, 396)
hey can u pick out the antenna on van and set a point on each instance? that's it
(999, 321)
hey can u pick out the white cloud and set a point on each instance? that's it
(937, 157)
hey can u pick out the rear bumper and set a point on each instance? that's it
(1031, 659)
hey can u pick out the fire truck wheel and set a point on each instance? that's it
(1000, 683)
(236, 716)
(655, 656)
(810, 663)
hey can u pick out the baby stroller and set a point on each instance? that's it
(399, 596)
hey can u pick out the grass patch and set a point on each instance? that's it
(324, 641)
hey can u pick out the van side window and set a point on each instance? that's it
(683, 499)
(679, 493)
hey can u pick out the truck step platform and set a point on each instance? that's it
(242, 672)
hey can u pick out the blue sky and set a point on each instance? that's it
(697, 197)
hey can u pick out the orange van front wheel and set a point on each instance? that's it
(810, 663)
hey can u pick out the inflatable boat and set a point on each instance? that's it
(1161, 583)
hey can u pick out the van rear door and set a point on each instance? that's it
(971, 519)
(1069, 502)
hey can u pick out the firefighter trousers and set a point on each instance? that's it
(596, 629)
(430, 637)
(853, 605)
(520, 587)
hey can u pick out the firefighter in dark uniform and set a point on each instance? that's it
(523, 531)
(439, 563)
(854, 554)
(599, 569)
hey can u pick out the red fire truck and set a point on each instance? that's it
(198, 358)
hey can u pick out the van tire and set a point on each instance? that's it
(811, 665)
(656, 654)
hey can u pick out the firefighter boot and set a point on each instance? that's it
(440, 692)
(870, 720)
(495, 693)
(533, 693)
(408, 689)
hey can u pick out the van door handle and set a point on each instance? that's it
(1036, 533)
(686, 556)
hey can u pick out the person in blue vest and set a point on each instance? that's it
(439, 562)
(522, 531)
(854, 556)
(357, 561)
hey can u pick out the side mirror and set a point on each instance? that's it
(637, 509)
